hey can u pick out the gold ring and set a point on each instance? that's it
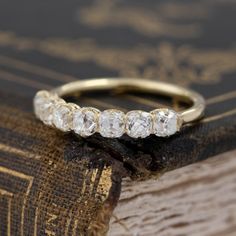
(52, 110)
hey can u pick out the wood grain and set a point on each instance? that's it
(199, 199)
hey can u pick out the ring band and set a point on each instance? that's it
(50, 108)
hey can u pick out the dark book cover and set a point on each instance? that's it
(57, 184)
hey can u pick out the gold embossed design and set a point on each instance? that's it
(60, 196)
(6, 206)
(183, 65)
(174, 19)
(156, 19)
(22, 199)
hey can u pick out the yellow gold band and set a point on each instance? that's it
(171, 90)
(112, 123)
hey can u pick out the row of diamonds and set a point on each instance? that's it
(111, 123)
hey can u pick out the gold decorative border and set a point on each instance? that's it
(9, 197)
(21, 176)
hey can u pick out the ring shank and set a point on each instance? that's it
(188, 115)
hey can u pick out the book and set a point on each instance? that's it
(58, 184)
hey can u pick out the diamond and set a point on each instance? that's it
(62, 117)
(39, 99)
(77, 121)
(43, 106)
(138, 124)
(85, 121)
(112, 123)
(165, 122)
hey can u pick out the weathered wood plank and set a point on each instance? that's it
(198, 199)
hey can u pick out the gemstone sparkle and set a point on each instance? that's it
(112, 123)
(43, 106)
(62, 118)
(165, 122)
(138, 124)
(85, 121)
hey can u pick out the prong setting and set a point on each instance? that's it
(166, 122)
(85, 121)
(111, 123)
(138, 124)
(62, 116)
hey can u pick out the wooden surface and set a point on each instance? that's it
(198, 199)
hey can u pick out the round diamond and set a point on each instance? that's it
(62, 117)
(111, 123)
(165, 122)
(85, 121)
(43, 106)
(138, 124)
